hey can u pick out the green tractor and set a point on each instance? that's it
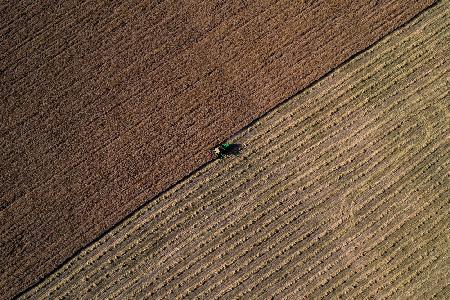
(225, 149)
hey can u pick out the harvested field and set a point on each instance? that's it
(106, 104)
(343, 191)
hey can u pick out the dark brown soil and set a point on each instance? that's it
(106, 105)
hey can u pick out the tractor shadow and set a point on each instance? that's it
(234, 149)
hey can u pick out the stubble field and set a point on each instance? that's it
(342, 192)
(102, 102)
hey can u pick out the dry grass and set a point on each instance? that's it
(341, 192)
(104, 100)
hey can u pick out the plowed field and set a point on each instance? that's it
(105, 104)
(343, 191)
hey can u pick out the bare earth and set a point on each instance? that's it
(106, 104)
(343, 191)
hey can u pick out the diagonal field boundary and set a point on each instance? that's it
(342, 191)
(106, 104)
